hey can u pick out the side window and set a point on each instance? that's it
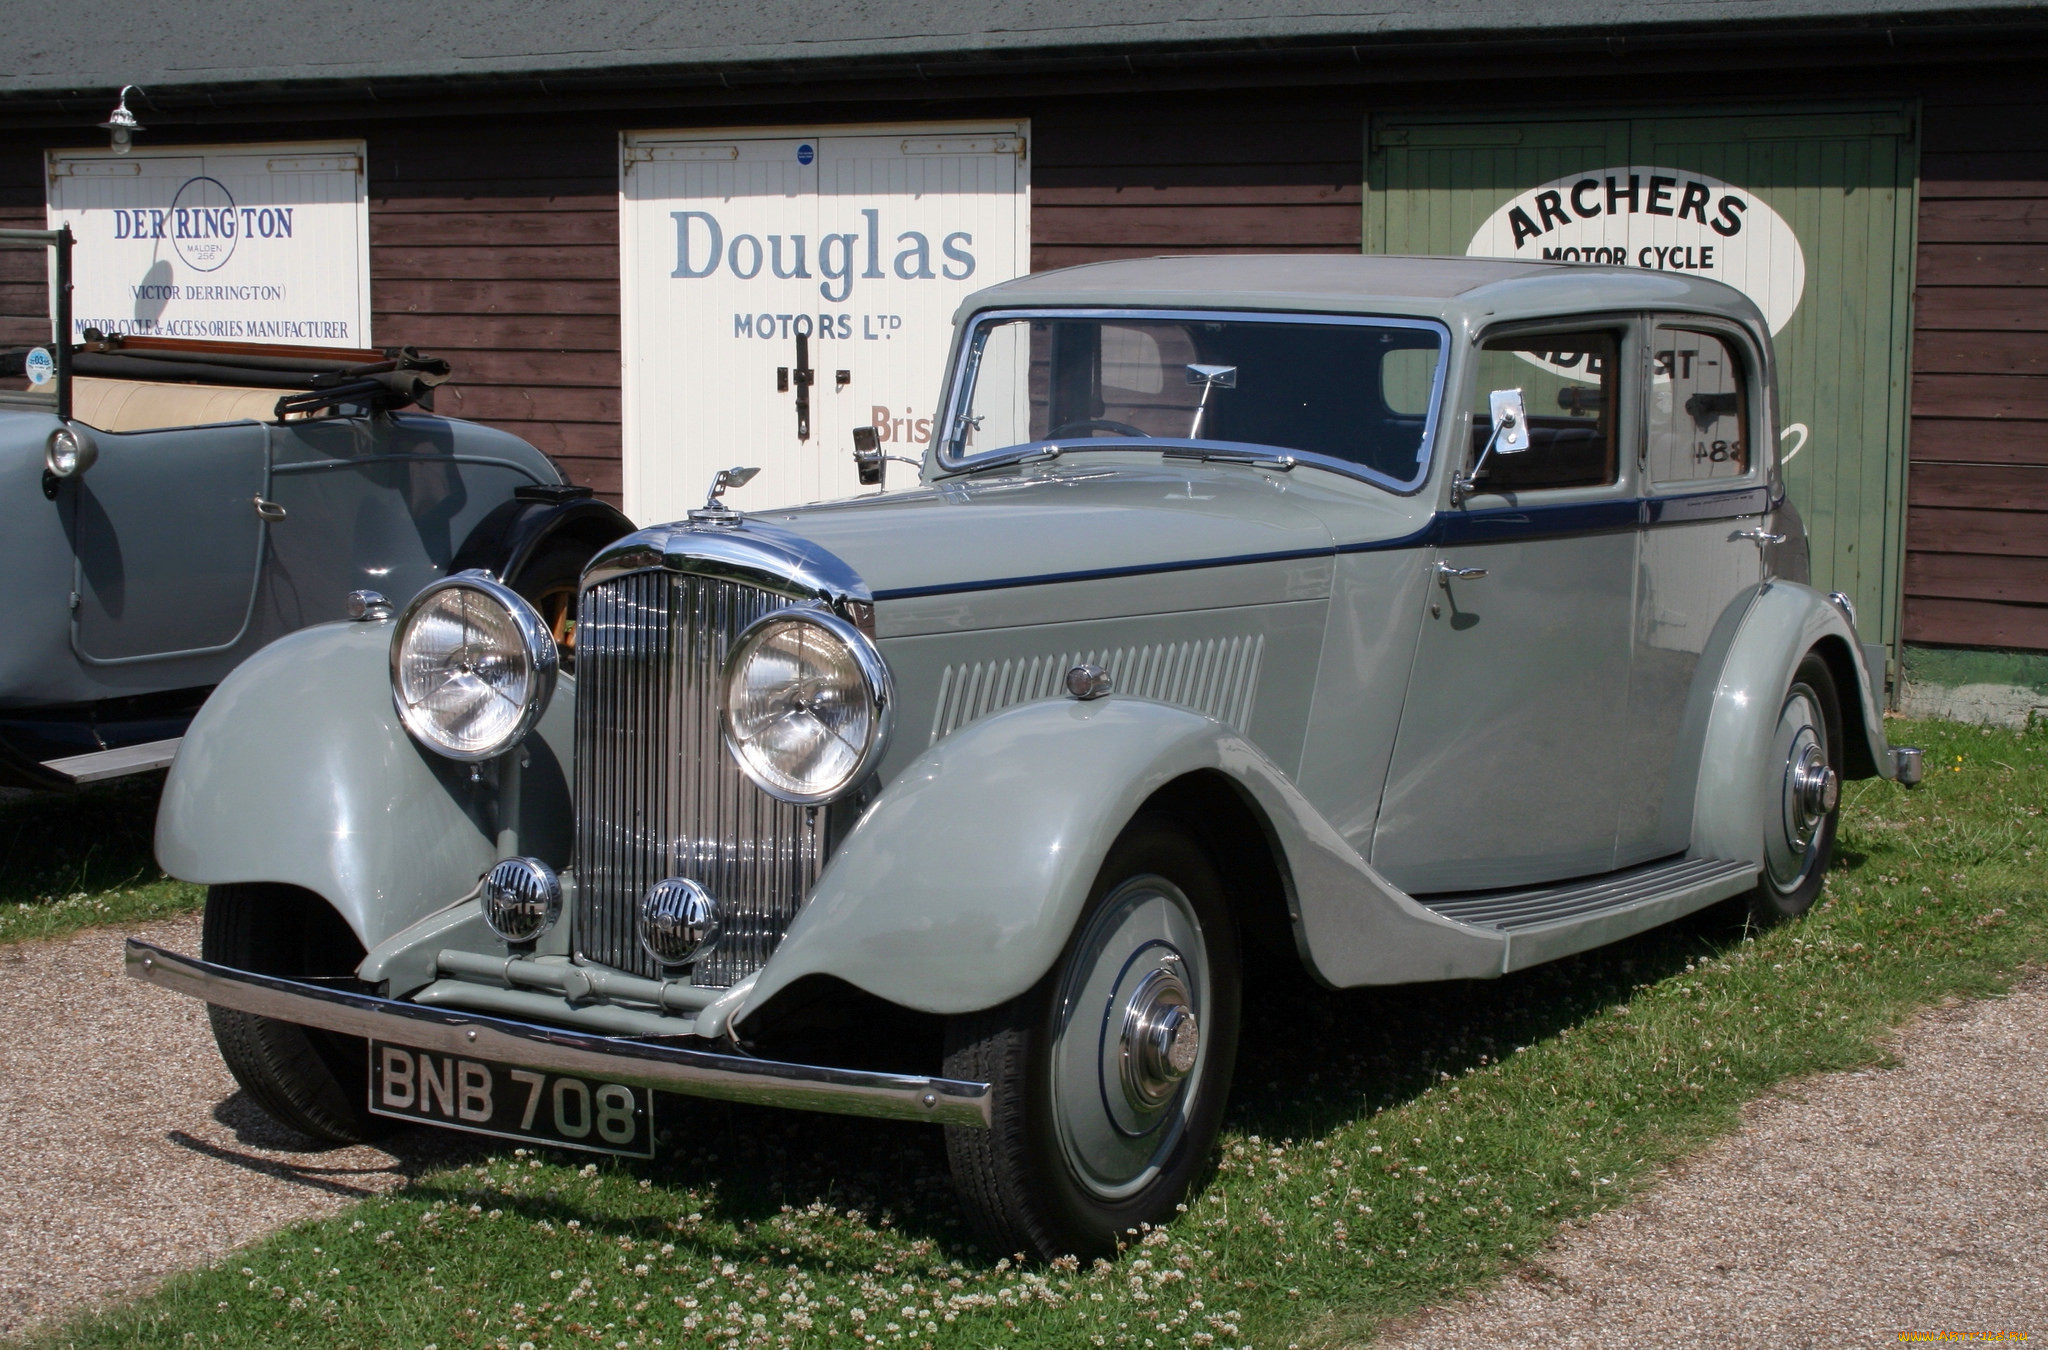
(1569, 382)
(1699, 408)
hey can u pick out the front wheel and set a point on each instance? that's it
(1109, 1077)
(310, 1081)
(1802, 796)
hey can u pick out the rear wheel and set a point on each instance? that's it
(1802, 799)
(1109, 1077)
(311, 1081)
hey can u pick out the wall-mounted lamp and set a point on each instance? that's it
(121, 125)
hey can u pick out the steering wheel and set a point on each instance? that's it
(1095, 424)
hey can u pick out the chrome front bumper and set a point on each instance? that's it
(691, 1073)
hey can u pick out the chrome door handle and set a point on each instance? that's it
(268, 510)
(1445, 574)
(1761, 536)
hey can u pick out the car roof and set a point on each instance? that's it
(1462, 292)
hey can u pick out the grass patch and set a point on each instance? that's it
(84, 861)
(1385, 1147)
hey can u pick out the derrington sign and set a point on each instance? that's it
(244, 244)
(1660, 219)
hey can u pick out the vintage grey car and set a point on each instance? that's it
(169, 506)
(1413, 619)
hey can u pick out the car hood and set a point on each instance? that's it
(1066, 522)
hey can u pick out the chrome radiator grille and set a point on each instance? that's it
(656, 793)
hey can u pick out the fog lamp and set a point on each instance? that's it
(679, 921)
(522, 899)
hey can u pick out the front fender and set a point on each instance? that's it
(1783, 623)
(958, 888)
(298, 771)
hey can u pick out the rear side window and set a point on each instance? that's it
(1699, 408)
(1569, 382)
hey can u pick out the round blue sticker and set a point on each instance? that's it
(41, 366)
(805, 153)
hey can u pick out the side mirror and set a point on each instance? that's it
(1510, 423)
(867, 455)
(1510, 437)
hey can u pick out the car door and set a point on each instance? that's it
(1503, 770)
(168, 542)
(1699, 563)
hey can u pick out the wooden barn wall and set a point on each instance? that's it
(1977, 480)
(497, 246)
(24, 288)
(1196, 173)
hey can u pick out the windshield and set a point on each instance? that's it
(1356, 394)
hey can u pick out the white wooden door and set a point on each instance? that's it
(750, 258)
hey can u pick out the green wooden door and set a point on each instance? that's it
(1842, 182)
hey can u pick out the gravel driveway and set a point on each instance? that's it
(1848, 1209)
(129, 1151)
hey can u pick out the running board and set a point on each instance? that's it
(1546, 922)
(102, 764)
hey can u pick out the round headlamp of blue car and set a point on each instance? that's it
(472, 667)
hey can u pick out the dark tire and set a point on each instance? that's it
(310, 1081)
(549, 582)
(1802, 796)
(1093, 1135)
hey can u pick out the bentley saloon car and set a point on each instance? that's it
(1409, 619)
(172, 505)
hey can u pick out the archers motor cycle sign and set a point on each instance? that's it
(1661, 219)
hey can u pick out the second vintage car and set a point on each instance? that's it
(169, 505)
(1414, 619)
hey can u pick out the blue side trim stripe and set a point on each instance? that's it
(1099, 573)
(1443, 529)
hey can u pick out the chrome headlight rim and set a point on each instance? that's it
(69, 452)
(874, 674)
(537, 646)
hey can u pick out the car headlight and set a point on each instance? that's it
(472, 667)
(69, 453)
(807, 704)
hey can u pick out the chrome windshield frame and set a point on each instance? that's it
(967, 357)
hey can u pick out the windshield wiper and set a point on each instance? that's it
(1045, 454)
(1282, 463)
(1035, 454)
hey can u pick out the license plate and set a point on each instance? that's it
(484, 1097)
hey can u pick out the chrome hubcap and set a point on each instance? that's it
(1160, 1040)
(1127, 1055)
(1808, 790)
(1815, 788)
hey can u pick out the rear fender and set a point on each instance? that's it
(1783, 624)
(958, 887)
(297, 771)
